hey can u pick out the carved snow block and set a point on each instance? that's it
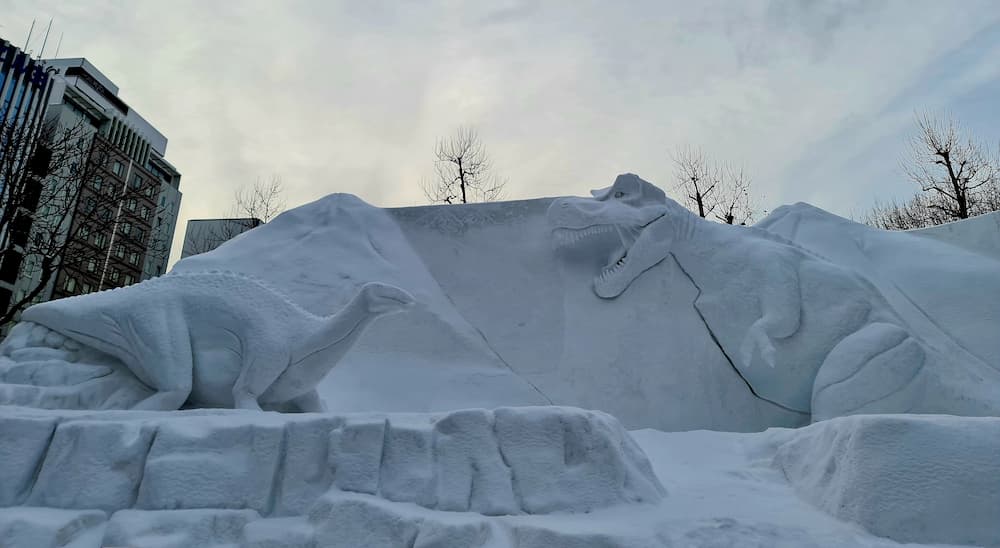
(93, 464)
(201, 463)
(23, 444)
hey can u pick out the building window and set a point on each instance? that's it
(115, 274)
(163, 200)
(91, 265)
(118, 168)
(100, 240)
(98, 181)
(120, 251)
(85, 288)
(149, 191)
(137, 182)
(128, 280)
(83, 232)
(140, 235)
(126, 228)
(133, 258)
(144, 213)
(130, 204)
(70, 285)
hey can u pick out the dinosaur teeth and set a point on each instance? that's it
(569, 236)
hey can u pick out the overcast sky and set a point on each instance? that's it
(815, 98)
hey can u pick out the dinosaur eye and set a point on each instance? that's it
(619, 194)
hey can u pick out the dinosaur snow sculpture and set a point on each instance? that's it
(828, 341)
(217, 339)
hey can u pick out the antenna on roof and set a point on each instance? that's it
(46, 39)
(28, 40)
(58, 45)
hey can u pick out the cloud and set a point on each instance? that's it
(814, 97)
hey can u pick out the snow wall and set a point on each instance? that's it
(511, 320)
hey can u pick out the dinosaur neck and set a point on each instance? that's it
(686, 227)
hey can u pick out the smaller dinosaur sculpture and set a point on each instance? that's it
(218, 339)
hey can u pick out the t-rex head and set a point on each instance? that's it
(627, 207)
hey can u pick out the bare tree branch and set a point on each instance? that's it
(253, 205)
(697, 179)
(714, 191)
(463, 172)
(959, 177)
(63, 212)
(734, 204)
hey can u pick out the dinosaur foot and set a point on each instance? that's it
(874, 370)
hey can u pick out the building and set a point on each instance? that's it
(25, 88)
(25, 85)
(204, 235)
(123, 215)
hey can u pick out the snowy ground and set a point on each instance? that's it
(724, 491)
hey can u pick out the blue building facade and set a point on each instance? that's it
(25, 86)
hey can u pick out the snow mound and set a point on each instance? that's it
(912, 478)
(507, 461)
(42, 368)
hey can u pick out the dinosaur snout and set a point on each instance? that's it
(384, 298)
(572, 213)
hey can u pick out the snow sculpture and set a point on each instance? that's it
(803, 332)
(209, 339)
(688, 326)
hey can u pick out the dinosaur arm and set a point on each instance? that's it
(781, 311)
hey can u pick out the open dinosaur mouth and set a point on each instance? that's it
(615, 266)
(619, 258)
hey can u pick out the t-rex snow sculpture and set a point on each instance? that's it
(217, 339)
(833, 344)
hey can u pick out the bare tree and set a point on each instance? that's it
(953, 167)
(959, 177)
(253, 205)
(53, 200)
(914, 213)
(711, 190)
(464, 171)
(698, 179)
(733, 204)
(263, 200)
